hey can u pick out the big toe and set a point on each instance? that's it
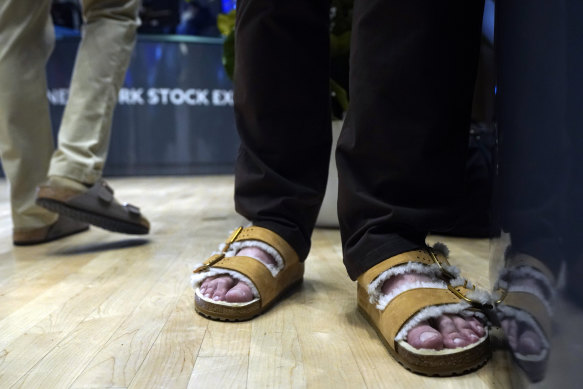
(424, 336)
(239, 293)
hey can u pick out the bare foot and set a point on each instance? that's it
(446, 331)
(225, 288)
(521, 337)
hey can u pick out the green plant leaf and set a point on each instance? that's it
(229, 54)
(339, 94)
(226, 22)
(340, 44)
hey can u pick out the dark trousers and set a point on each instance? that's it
(402, 151)
(540, 56)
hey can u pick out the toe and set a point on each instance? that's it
(529, 343)
(223, 284)
(239, 293)
(205, 283)
(465, 328)
(424, 336)
(452, 338)
(509, 328)
(476, 326)
(210, 287)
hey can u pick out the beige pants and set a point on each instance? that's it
(26, 146)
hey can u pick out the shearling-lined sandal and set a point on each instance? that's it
(526, 286)
(394, 314)
(267, 282)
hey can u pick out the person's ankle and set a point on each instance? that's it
(65, 182)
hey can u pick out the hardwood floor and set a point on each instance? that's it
(105, 310)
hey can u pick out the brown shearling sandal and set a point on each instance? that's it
(528, 305)
(268, 287)
(448, 294)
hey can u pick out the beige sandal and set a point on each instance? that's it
(393, 315)
(267, 282)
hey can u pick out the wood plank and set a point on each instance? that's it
(117, 362)
(170, 361)
(105, 310)
(275, 355)
(110, 302)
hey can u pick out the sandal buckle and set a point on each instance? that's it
(232, 238)
(217, 257)
(461, 296)
(132, 209)
(212, 260)
(444, 272)
(503, 293)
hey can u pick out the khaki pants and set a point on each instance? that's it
(26, 146)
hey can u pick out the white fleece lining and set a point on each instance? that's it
(274, 269)
(197, 278)
(385, 299)
(442, 248)
(513, 275)
(477, 295)
(225, 303)
(374, 289)
(442, 352)
(524, 318)
(433, 312)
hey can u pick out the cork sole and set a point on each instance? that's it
(442, 363)
(223, 311)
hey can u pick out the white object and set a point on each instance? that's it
(328, 216)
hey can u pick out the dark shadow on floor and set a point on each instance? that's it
(102, 246)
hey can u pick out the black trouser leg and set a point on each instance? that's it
(534, 140)
(401, 155)
(282, 113)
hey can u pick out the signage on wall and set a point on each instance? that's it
(175, 110)
(156, 96)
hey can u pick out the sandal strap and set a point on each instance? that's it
(532, 305)
(268, 287)
(271, 238)
(256, 272)
(260, 234)
(420, 256)
(102, 191)
(407, 304)
(521, 259)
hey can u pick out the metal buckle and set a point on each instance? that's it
(447, 274)
(132, 209)
(218, 257)
(503, 294)
(460, 295)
